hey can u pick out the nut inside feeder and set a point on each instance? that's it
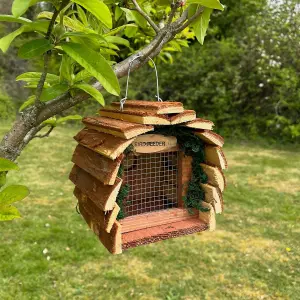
(149, 172)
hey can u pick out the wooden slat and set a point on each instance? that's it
(199, 123)
(104, 196)
(210, 137)
(215, 176)
(162, 232)
(208, 217)
(184, 176)
(99, 166)
(213, 196)
(214, 156)
(123, 129)
(185, 116)
(156, 218)
(104, 219)
(112, 241)
(165, 107)
(103, 143)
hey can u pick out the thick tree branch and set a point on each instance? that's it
(142, 13)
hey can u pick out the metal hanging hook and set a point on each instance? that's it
(122, 101)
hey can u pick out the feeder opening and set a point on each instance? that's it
(153, 182)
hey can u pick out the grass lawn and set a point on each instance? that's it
(254, 254)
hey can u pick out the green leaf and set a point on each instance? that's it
(118, 29)
(82, 75)
(66, 69)
(118, 13)
(34, 48)
(135, 17)
(35, 77)
(98, 9)
(19, 7)
(92, 91)
(51, 121)
(8, 18)
(13, 193)
(130, 31)
(7, 40)
(82, 16)
(8, 213)
(118, 40)
(53, 91)
(95, 64)
(215, 4)
(68, 118)
(7, 165)
(2, 178)
(27, 103)
(200, 25)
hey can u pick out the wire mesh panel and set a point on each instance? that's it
(153, 182)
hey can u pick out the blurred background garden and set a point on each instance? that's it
(245, 78)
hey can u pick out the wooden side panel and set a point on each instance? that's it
(105, 219)
(215, 176)
(103, 143)
(184, 176)
(162, 232)
(104, 196)
(99, 166)
(157, 218)
(111, 241)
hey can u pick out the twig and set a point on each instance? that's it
(190, 20)
(47, 56)
(174, 7)
(45, 134)
(142, 13)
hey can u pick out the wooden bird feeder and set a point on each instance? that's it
(148, 172)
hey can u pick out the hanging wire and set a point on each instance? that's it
(122, 101)
(77, 208)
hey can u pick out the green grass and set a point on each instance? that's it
(254, 254)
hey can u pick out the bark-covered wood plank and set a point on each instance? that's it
(112, 241)
(165, 107)
(213, 196)
(104, 196)
(99, 166)
(215, 176)
(123, 129)
(162, 232)
(199, 123)
(185, 116)
(215, 156)
(105, 219)
(208, 217)
(103, 143)
(210, 137)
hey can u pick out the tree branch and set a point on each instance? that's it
(142, 13)
(174, 7)
(47, 56)
(45, 134)
(190, 20)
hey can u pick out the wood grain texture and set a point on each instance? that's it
(210, 137)
(184, 176)
(112, 241)
(215, 176)
(199, 123)
(162, 232)
(99, 166)
(156, 218)
(214, 156)
(165, 107)
(103, 143)
(185, 116)
(208, 217)
(213, 196)
(123, 129)
(104, 196)
(104, 219)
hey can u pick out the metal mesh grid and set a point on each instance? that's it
(153, 181)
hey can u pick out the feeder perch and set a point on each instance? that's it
(133, 174)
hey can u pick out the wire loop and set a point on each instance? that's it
(123, 100)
